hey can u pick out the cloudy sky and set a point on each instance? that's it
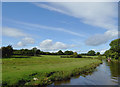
(53, 26)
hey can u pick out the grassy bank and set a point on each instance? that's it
(44, 70)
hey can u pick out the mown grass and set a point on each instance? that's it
(47, 69)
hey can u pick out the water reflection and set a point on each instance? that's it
(115, 69)
(105, 74)
(60, 82)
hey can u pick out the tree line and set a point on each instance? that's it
(113, 52)
(8, 51)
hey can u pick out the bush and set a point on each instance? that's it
(75, 55)
(79, 56)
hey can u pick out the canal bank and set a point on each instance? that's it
(105, 74)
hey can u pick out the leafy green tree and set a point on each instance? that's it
(60, 52)
(91, 53)
(41, 52)
(22, 52)
(47, 53)
(75, 54)
(38, 52)
(7, 51)
(116, 55)
(34, 50)
(107, 53)
(115, 45)
(114, 51)
(98, 53)
(68, 52)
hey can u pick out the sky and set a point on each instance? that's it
(53, 26)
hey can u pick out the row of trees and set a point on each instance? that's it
(114, 51)
(27, 52)
(36, 51)
(8, 52)
(91, 53)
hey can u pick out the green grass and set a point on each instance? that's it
(46, 68)
(89, 56)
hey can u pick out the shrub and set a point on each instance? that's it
(75, 55)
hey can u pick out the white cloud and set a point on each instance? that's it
(28, 40)
(48, 45)
(12, 32)
(102, 51)
(37, 27)
(25, 41)
(96, 50)
(20, 44)
(96, 14)
(49, 7)
(100, 14)
(99, 39)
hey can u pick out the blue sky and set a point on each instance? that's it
(53, 26)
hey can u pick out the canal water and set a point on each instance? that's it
(105, 74)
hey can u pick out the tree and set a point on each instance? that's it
(75, 54)
(47, 53)
(7, 51)
(41, 52)
(38, 52)
(115, 45)
(60, 52)
(114, 51)
(34, 50)
(0, 52)
(108, 53)
(98, 53)
(68, 52)
(91, 53)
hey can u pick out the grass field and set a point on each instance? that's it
(46, 69)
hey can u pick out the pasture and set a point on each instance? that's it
(43, 70)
